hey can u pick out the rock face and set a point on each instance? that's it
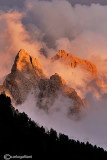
(25, 74)
(51, 88)
(72, 61)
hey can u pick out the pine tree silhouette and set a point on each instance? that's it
(19, 135)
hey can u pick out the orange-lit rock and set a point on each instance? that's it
(72, 61)
(25, 74)
(26, 63)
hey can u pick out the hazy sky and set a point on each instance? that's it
(20, 3)
(88, 2)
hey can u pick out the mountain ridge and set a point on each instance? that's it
(70, 60)
(27, 75)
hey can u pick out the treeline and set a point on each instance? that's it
(19, 135)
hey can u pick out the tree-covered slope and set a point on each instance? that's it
(19, 135)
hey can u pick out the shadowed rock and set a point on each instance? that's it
(51, 88)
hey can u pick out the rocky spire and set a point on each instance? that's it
(51, 88)
(72, 61)
(26, 63)
(25, 74)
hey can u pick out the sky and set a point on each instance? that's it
(20, 3)
(88, 2)
(81, 29)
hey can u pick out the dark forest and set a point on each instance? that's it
(19, 135)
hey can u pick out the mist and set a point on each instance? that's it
(49, 26)
(90, 125)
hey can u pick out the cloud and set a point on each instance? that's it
(90, 127)
(60, 23)
(13, 37)
(88, 2)
(80, 30)
(6, 5)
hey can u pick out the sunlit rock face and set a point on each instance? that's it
(27, 64)
(25, 74)
(72, 61)
(51, 88)
(28, 76)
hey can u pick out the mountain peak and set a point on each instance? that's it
(21, 54)
(58, 79)
(25, 74)
(22, 51)
(62, 53)
(70, 60)
(21, 58)
(26, 63)
(51, 88)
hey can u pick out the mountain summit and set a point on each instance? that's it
(27, 76)
(51, 88)
(72, 61)
(26, 63)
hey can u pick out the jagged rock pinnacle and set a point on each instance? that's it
(26, 63)
(72, 61)
(62, 53)
(51, 88)
(50, 85)
(58, 79)
(25, 75)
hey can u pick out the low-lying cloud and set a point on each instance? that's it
(90, 125)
